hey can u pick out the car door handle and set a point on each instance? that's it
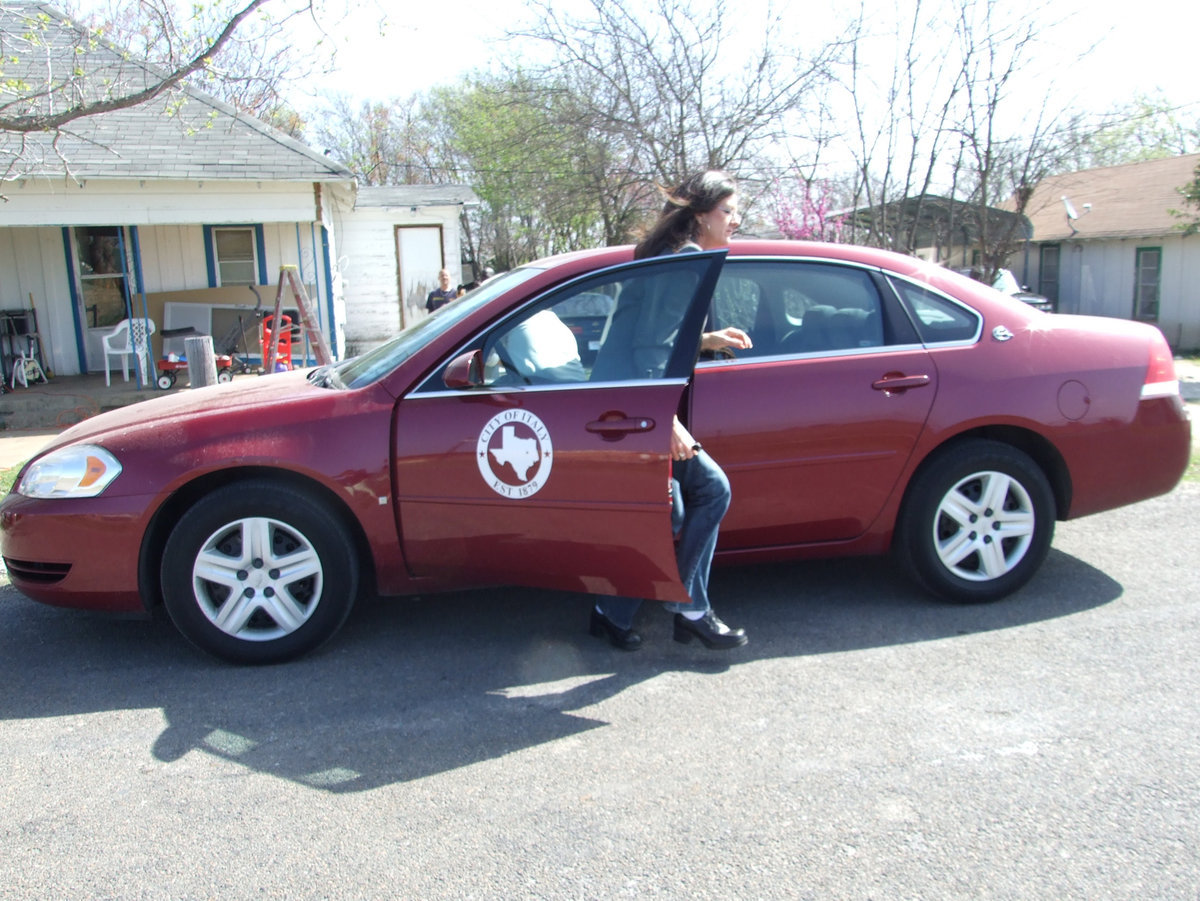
(613, 427)
(896, 381)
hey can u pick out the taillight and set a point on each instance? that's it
(1161, 380)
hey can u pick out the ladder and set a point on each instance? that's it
(288, 276)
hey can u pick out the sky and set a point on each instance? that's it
(388, 49)
(1143, 46)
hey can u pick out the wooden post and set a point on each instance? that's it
(201, 360)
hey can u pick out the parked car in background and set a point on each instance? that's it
(1006, 283)
(521, 436)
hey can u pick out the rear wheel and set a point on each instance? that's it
(259, 573)
(977, 522)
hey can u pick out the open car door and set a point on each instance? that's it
(540, 454)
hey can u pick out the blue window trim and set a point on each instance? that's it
(332, 319)
(76, 304)
(210, 250)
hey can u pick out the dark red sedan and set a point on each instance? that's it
(521, 434)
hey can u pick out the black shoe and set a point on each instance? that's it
(715, 634)
(625, 639)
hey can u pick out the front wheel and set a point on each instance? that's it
(977, 522)
(259, 573)
(166, 380)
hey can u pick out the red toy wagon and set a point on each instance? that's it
(168, 370)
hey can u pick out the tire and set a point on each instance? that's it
(166, 380)
(224, 375)
(977, 522)
(222, 591)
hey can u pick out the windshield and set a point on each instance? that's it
(366, 368)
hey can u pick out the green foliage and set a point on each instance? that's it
(1191, 197)
(540, 176)
(547, 179)
(1146, 128)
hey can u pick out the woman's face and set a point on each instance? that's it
(718, 224)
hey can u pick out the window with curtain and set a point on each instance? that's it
(234, 249)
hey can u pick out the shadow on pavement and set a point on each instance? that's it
(415, 687)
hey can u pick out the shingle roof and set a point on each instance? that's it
(1129, 201)
(414, 195)
(204, 138)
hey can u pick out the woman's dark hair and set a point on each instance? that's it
(677, 223)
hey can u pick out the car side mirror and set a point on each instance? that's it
(465, 371)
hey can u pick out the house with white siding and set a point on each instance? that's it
(180, 194)
(1105, 242)
(173, 209)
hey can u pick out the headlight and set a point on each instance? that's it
(81, 470)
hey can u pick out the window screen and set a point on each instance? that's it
(236, 263)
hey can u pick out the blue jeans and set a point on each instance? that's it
(700, 496)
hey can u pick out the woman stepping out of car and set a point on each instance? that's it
(700, 214)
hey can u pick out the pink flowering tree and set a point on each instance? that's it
(808, 214)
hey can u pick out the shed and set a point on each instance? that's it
(396, 240)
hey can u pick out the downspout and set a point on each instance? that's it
(331, 334)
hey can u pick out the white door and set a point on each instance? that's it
(419, 259)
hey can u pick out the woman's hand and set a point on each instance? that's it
(683, 445)
(726, 337)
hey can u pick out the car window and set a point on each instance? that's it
(736, 299)
(798, 307)
(624, 324)
(938, 318)
(366, 368)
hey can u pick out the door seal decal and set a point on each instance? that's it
(515, 454)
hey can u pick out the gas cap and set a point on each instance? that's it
(1073, 400)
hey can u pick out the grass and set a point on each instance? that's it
(7, 477)
(1192, 473)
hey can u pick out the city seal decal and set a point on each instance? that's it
(515, 454)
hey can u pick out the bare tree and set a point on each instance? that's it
(68, 90)
(676, 85)
(952, 153)
(58, 71)
(383, 143)
(902, 124)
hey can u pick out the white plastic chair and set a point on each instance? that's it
(131, 336)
